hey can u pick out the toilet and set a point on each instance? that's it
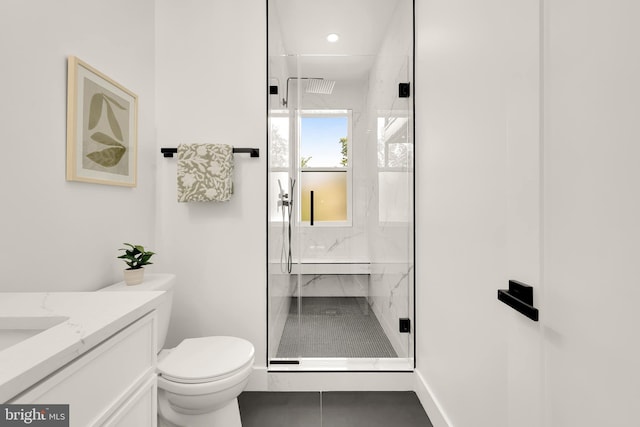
(199, 380)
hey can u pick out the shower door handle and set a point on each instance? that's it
(311, 203)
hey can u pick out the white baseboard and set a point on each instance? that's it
(262, 380)
(430, 403)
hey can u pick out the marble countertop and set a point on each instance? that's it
(91, 317)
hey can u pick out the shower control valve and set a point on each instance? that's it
(283, 203)
(283, 200)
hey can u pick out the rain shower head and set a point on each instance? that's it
(321, 86)
(316, 85)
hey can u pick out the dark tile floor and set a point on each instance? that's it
(332, 409)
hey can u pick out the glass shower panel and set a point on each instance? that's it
(282, 205)
(392, 241)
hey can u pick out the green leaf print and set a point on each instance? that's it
(113, 123)
(95, 110)
(105, 139)
(108, 157)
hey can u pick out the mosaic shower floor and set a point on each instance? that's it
(333, 327)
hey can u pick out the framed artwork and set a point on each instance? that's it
(102, 128)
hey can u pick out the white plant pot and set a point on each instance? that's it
(133, 277)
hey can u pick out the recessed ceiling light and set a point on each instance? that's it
(333, 37)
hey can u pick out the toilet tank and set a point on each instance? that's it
(153, 282)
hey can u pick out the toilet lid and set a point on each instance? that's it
(198, 360)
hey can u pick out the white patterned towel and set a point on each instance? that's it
(205, 172)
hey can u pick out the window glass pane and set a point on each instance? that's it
(329, 194)
(279, 154)
(394, 150)
(398, 155)
(323, 141)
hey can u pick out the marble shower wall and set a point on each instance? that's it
(334, 285)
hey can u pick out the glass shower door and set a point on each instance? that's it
(391, 224)
(340, 195)
(341, 229)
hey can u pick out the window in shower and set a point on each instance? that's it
(279, 157)
(395, 159)
(325, 167)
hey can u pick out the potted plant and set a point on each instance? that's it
(136, 258)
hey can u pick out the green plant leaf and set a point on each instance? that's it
(113, 123)
(105, 139)
(113, 101)
(144, 259)
(95, 110)
(136, 257)
(108, 157)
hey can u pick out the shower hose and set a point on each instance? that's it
(286, 230)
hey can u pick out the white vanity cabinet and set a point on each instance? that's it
(113, 384)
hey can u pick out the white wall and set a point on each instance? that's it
(58, 235)
(211, 87)
(591, 235)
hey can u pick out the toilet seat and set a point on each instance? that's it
(205, 388)
(207, 359)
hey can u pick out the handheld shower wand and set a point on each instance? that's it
(286, 201)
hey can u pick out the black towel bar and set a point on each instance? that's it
(255, 152)
(519, 297)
